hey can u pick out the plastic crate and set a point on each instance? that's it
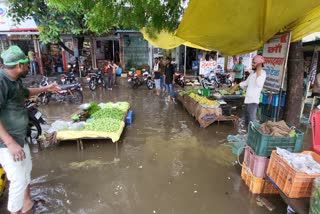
(205, 92)
(266, 98)
(275, 100)
(315, 123)
(129, 117)
(293, 183)
(256, 185)
(257, 164)
(263, 144)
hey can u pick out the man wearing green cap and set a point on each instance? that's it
(15, 155)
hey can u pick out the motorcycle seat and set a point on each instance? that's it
(66, 87)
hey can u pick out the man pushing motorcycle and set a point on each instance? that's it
(15, 155)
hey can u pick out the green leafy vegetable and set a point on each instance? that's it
(93, 108)
(104, 125)
(113, 113)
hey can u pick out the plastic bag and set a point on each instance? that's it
(77, 126)
(84, 106)
(60, 125)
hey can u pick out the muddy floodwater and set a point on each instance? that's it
(167, 165)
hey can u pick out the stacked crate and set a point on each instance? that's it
(269, 106)
(256, 157)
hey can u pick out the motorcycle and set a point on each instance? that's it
(85, 70)
(214, 80)
(179, 79)
(71, 93)
(95, 79)
(224, 79)
(148, 79)
(136, 80)
(34, 129)
(69, 77)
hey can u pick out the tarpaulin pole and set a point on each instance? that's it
(185, 60)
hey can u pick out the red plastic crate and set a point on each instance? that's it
(315, 123)
(257, 164)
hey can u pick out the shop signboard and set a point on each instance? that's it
(7, 24)
(195, 65)
(246, 60)
(220, 64)
(207, 66)
(275, 52)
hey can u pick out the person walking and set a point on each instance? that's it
(169, 79)
(161, 70)
(157, 76)
(253, 85)
(15, 156)
(238, 69)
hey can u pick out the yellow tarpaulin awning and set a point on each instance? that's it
(234, 27)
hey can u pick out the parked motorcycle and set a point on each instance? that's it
(148, 79)
(71, 93)
(179, 79)
(214, 80)
(136, 80)
(69, 77)
(85, 70)
(224, 79)
(35, 119)
(95, 79)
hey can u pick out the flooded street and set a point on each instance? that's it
(168, 165)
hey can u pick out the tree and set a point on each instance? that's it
(83, 17)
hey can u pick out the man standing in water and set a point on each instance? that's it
(15, 155)
(169, 79)
(254, 85)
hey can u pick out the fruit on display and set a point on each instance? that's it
(181, 93)
(204, 100)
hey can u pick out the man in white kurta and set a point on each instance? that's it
(253, 85)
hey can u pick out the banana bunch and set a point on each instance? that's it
(203, 100)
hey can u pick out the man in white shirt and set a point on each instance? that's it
(254, 85)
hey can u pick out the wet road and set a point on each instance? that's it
(168, 165)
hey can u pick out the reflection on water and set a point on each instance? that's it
(167, 165)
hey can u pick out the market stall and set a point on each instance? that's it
(205, 111)
(93, 121)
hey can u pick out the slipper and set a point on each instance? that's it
(34, 207)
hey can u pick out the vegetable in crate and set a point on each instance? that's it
(93, 108)
(104, 125)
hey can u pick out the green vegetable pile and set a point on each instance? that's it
(123, 106)
(75, 117)
(93, 108)
(113, 113)
(104, 125)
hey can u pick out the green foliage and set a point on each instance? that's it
(93, 108)
(78, 17)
